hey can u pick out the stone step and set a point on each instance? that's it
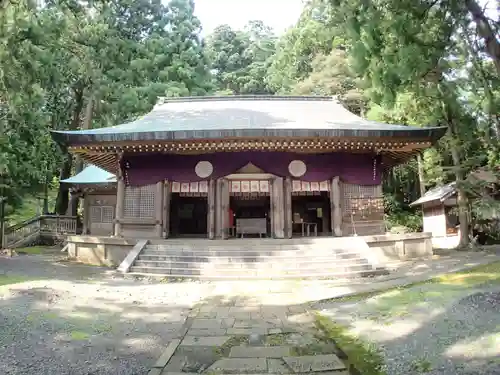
(236, 273)
(352, 253)
(249, 246)
(247, 259)
(253, 265)
(311, 240)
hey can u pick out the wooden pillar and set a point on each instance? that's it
(272, 208)
(211, 209)
(336, 209)
(159, 209)
(120, 200)
(86, 214)
(277, 195)
(218, 208)
(288, 208)
(166, 208)
(72, 201)
(225, 208)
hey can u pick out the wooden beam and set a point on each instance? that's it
(120, 201)
(277, 195)
(167, 194)
(159, 209)
(336, 209)
(211, 209)
(225, 208)
(288, 208)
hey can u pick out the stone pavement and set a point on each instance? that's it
(238, 335)
(262, 327)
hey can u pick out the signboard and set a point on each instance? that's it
(313, 186)
(250, 186)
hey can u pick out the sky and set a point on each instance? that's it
(278, 14)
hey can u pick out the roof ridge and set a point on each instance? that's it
(163, 100)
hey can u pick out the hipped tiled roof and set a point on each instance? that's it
(245, 116)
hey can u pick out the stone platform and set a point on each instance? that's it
(236, 337)
(252, 258)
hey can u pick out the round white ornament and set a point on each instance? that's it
(203, 169)
(297, 168)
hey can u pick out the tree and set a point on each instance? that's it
(301, 44)
(240, 59)
(67, 61)
(331, 75)
(411, 47)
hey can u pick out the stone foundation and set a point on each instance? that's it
(101, 251)
(400, 246)
(379, 249)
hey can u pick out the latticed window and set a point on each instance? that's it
(362, 202)
(102, 214)
(139, 202)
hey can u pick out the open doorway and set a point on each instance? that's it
(249, 215)
(188, 216)
(311, 214)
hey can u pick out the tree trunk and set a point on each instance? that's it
(75, 198)
(421, 179)
(485, 31)
(463, 207)
(45, 208)
(62, 200)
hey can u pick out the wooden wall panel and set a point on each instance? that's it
(362, 209)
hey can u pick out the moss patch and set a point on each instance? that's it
(277, 339)
(101, 328)
(224, 350)
(421, 366)
(79, 335)
(488, 273)
(316, 348)
(7, 280)
(472, 277)
(360, 354)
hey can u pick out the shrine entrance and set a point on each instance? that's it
(311, 209)
(189, 210)
(249, 215)
(249, 203)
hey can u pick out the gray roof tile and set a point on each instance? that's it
(218, 117)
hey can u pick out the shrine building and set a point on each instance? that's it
(238, 167)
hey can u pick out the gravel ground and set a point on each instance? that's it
(430, 329)
(83, 320)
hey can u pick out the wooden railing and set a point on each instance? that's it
(46, 225)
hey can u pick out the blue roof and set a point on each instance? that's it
(91, 175)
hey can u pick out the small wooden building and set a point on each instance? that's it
(97, 189)
(217, 167)
(439, 210)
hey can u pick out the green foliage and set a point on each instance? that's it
(417, 63)
(301, 44)
(56, 56)
(364, 356)
(330, 75)
(240, 59)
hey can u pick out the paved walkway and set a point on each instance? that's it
(263, 327)
(237, 334)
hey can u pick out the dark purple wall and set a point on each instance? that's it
(145, 169)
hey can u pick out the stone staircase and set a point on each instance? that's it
(256, 258)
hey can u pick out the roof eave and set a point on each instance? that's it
(75, 138)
